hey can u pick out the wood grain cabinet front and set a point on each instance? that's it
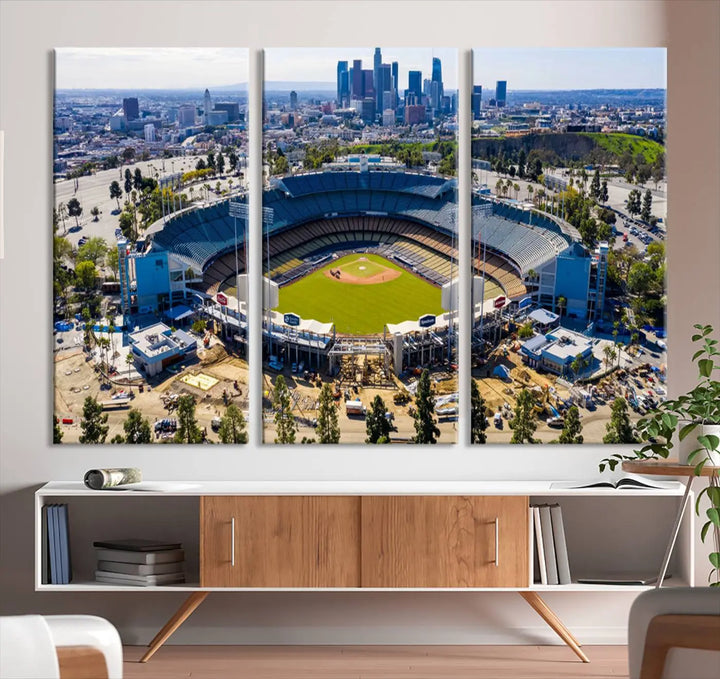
(284, 541)
(429, 541)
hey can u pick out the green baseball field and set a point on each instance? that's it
(360, 293)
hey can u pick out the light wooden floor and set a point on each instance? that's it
(376, 662)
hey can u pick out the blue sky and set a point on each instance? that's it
(570, 69)
(149, 68)
(319, 64)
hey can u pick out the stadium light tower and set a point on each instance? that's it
(238, 209)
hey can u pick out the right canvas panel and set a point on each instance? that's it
(569, 218)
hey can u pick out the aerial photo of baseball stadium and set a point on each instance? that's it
(569, 217)
(360, 252)
(150, 150)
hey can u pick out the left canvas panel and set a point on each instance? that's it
(149, 245)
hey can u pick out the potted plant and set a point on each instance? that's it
(698, 409)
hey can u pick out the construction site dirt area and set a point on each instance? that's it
(361, 379)
(550, 394)
(77, 377)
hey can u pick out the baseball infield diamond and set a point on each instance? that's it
(370, 292)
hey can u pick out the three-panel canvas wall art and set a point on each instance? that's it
(361, 253)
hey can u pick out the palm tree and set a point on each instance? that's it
(129, 360)
(530, 191)
(499, 186)
(516, 188)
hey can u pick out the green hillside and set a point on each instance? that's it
(618, 143)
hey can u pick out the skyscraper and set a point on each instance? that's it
(377, 65)
(131, 108)
(357, 80)
(367, 88)
(293, 100)
(436, 90)
(385, 83)
(207, 105)
(476, 101)
(396, 82)
(415, 83)
(342, 82)
(501, 93)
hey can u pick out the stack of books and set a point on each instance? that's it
(551, 562)
(143, 563)
(56, 564)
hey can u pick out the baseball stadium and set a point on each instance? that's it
(361, 271)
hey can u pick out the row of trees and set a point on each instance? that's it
(378, 426)
(137, 429)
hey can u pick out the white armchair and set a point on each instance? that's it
(59, 647)
(674, 633)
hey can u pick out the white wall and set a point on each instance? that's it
(29, 30)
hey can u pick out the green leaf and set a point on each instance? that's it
(714, 516)
(695, 453)
(687, 429)
(697, 354)
(699, 467)
(704, 531)
(713, 493)
(715, 559)
(670, 421)
(710, 441)
(697, 338)
(705, 366)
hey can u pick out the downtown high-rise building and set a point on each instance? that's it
(377, 66)
(501, 93)
(207, 104)
(343, 84)
(415, 84)
(396, 82)
(476, 101)
(356, 91)
(293, 100)
(368, 89)
(186, 115)
(131, 108)
(436, 87)
(385, 83)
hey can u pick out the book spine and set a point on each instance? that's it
(45, 561)
(54, 545)
(64, 546)
(561, 551)
(549, 546)
(540, 546)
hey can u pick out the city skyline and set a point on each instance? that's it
(545, 68)
(318, 64)
(141, 68)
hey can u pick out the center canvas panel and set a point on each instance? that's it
(569, 217)
(360, 245)
(150, 331)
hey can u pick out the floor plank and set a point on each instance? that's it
(376, 662)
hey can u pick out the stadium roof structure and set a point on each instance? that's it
(427, 199)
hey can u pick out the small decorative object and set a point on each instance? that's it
(104, 479)
(698, 408)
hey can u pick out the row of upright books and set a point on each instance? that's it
(142, 563)
(56, 564)
(550, 553)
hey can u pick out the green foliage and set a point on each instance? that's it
(199, 326)
(57, 432)
(86, 275)
(94, 423)
(426, 430)
(232, 426)
(632, 203)
(137, 428)
(478, 419)
(116, 192)
(327, 429)
(74, 209)
(618, 143)
(377, 426)
(524, 423)
(526, 330)
(188, 430)
(646, 210)
(619, 429)
(94, 250)
(196, 175)
(284, 420)
(572, 428)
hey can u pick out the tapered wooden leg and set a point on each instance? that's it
(547, 614)
(180, 616)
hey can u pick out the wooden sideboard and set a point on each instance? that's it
(345, 536)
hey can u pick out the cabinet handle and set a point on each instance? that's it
(232, 541)
(497, 541)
